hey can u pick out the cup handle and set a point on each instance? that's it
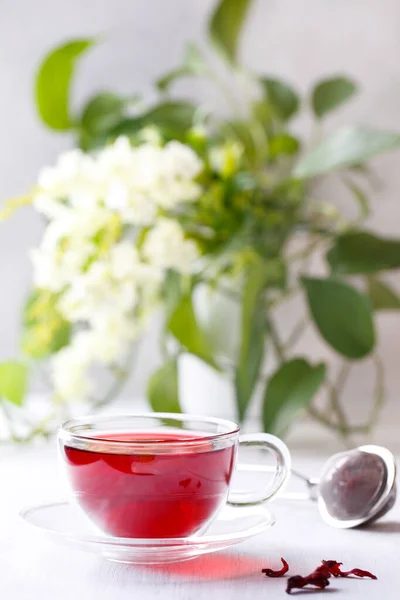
(282, 472)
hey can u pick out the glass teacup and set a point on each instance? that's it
(160, 475)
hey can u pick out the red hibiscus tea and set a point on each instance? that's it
(171, 487)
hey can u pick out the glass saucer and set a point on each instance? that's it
(67, 525)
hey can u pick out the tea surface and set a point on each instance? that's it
(150, 495)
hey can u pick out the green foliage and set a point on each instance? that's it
(289, 391)
(283, 100)
(382, 296)
(184, 327)
(257, 197)
(45, 331)
(331, 93)
(53, 83)
(252, 336)
(13, 381)
(343, 316)
(102, 112)
(163, 390)
(359, 252)
(282, 144)
(172, 118)
(360, 197)
(345, 148)
(193, 64)
(173, 291)
(226, 24)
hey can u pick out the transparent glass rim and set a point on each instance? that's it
(80, 433)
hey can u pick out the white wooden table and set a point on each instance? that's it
(32, 567)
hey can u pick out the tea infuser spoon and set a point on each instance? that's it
(355, 487)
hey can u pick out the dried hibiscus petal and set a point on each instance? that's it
(318, 580)
(280, 573)
(359, 573)
(334, 568)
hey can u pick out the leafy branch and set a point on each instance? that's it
(258, 194)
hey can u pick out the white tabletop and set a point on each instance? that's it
(33, 567)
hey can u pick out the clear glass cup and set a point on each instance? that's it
(161, 475)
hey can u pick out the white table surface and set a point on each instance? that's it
(32, 567)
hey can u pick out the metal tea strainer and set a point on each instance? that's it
(355, 486)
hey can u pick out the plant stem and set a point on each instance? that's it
(40, 429)
(276, 341)
(225, 90)
(296, 333)
(10, 422)
(379, 394)
(334, 392)
(286, 295)
(342, 426)
(321, 418)
(324, 420)
(304, 252)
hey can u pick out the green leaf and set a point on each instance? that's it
(240, 131)
(282, 144)
(329, 94)
(193, 65)
(13, 381)
(252, 340)
(359, 252)
(344, 148)
(45, 331)
(289, 391)
(165, 82)
(176, 117)
(163, 389)
(194, 60)
(226, 25)
(360, 196)
(53, 83)
(281, 96)
(172, 291)
(183, 326)
(343, 316)
(382, 296)
(102, 111)
(91, 141)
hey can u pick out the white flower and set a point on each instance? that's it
(166, 247)
(181, 161)
(117, 157)
(96, 291)
(124, 260)
(70, 366)
(171, 193)
(45, 272)
(134, 207)
(64, 251)
(112, 334)
(48, 206)
(150, 135)
(142, 178)
(75, 177)
(99, 208)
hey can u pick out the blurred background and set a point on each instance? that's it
(298, 40)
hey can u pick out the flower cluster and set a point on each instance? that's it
(109, 240)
